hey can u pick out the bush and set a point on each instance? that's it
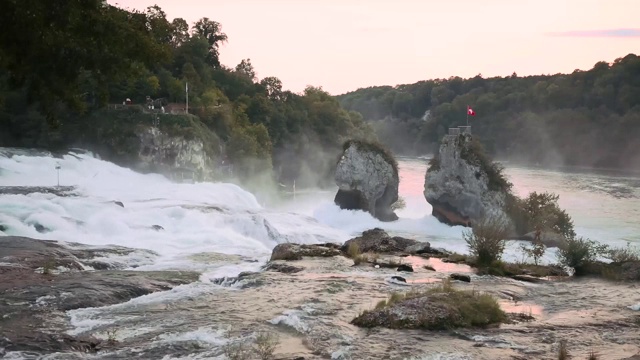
(399, 204)
(580, 254)
(486, 239)
(534, 250)
(439, 308)
(265, 345)
(539, 211)
(623, 255)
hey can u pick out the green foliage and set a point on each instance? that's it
(486, 240)
(540, 212)
(473, 152)
(458, 308)
(534, 250)
(373, 147)
(48, 46)
(623, 255)
(580, 254)
(98, 54)
(544, 119)
(399, 204)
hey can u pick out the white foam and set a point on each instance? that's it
(196, 218)
(635, 307)
(293, 319)
(203, 335)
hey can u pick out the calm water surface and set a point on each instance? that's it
(604, 206)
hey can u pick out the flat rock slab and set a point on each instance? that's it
(33, 303)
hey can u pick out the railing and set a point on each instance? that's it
(454, 131)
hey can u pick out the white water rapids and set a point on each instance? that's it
(223, 218)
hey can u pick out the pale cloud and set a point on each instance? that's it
(617, 33)
(342, 45)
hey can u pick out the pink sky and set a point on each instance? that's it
(343, 45)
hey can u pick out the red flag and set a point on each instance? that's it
(470, 111)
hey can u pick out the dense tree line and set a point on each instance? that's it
(61, 63)
(586, 118)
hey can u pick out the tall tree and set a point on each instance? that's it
(212, 31)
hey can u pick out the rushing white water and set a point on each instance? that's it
(204, 218)
(223, 218)
(196, 218)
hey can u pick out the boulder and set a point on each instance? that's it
(367, 179)
(461, 183)
(460, 277)
(290, 251)
(378, 241)
(548, 238)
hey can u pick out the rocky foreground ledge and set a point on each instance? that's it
(375, 297)
(40, 280)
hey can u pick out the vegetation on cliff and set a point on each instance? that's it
(545, 119)
(97, 54)
(375, 147)
(538, 211)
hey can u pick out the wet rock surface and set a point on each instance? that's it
(459, 188)
(367, 179)
(26, 190)
(40, 280)
(378, 241)
(311, 311)
(290, 251)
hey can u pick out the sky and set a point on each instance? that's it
(343, 45)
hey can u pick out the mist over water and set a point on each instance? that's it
(224, 218)
(201, 219)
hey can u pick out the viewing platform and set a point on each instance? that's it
(455, 131)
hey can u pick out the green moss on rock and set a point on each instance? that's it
(437, 309)
(373, 147)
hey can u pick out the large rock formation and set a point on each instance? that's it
(462, 185)
(367, 178)
(160, 151)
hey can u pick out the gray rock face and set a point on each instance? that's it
(458, 189)
(366, 181)
(158, 149)
(378, 241)
(290, 251)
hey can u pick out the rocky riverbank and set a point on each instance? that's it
(41, 280)
(307, 304)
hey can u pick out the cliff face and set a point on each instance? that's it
(459, 185)
(159, 150)
(368, 180)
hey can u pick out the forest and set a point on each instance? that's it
(63, 63)
(588, 118)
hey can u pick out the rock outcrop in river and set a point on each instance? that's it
(462, 185)
(367, 178)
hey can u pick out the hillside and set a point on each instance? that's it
(61, 66)
(586, 118)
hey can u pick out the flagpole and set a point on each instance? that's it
(467, 115)
(186, 90)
